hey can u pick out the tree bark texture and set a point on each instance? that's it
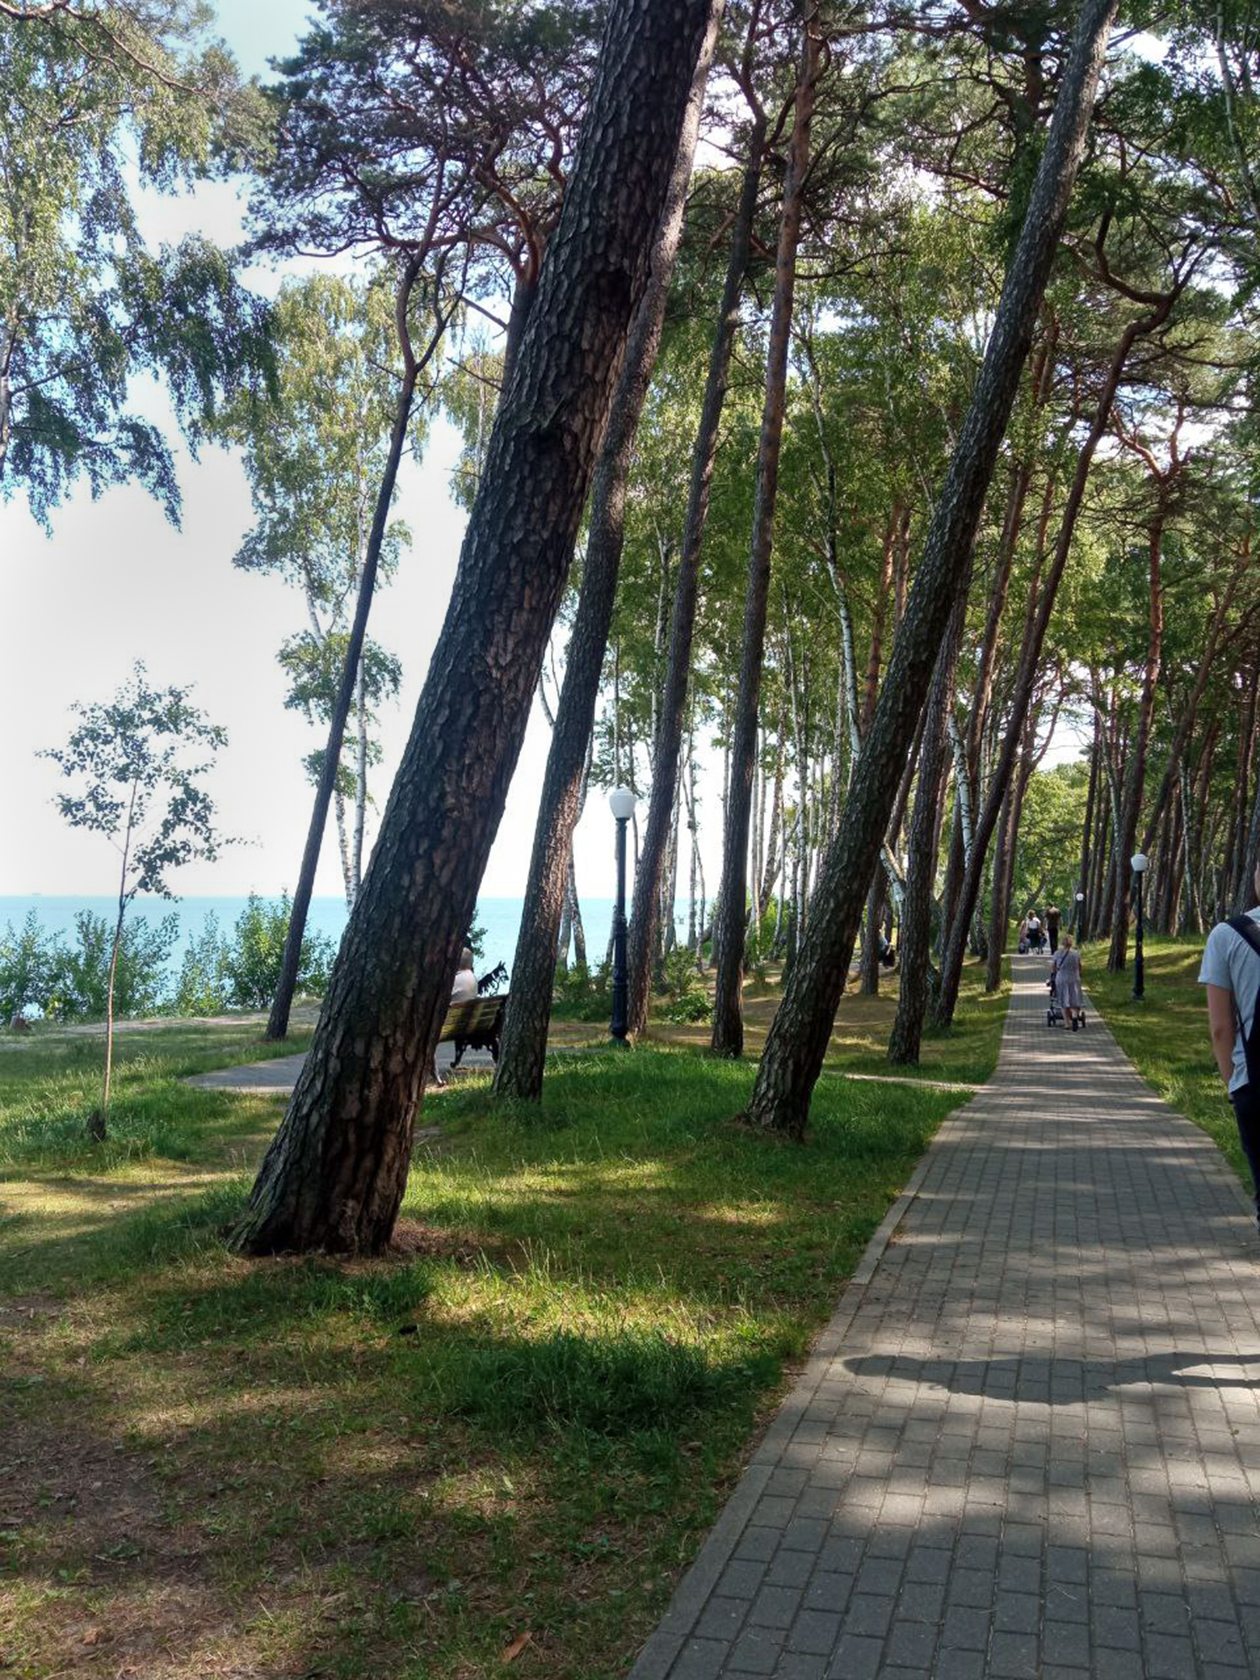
(797, 1042)
(645, 912)
(523, 1051)
(915, 942)
(335, 1174)
(730, 924)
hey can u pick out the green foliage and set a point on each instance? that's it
(136, 763)
(203, 987)
(30, 965)
(582, 993)
(141, 985)
(687, 1008)
(1048, 851)
(84, 102)
(687, 995)
(253, 960)
(315, 455)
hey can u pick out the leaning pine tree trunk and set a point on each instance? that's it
(523, 1052)
(335, 1174)
(798, 1037)
(643, 924)
(730, 924)
(915, 945)
(282, 1003)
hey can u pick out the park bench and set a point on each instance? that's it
(475, 1025)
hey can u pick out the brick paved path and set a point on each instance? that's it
(1028, 1444)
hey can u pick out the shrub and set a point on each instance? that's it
(688, 1008)
(256, 954)
(203, 987)
(30, 964)
(581, 995)
(80, 987)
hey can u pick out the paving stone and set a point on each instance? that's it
(1028, 1445)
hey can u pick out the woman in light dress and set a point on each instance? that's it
(1067, 982)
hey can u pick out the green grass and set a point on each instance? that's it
(1166, 1035)
(966, 1052)
(522, 1421)
(51, 1080)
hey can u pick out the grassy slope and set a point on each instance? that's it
(522, 1422)
(1166, 1035)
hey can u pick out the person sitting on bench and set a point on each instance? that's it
(465, 987)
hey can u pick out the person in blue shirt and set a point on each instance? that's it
(1231, 973)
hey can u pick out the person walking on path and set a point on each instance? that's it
(1034, 930)
(1053, 921)
(1231, 973)
(1067, 983)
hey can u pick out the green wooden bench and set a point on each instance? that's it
(475, 1025)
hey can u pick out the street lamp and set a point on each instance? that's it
(1080, 912)
(621, 804)
(1139, 860)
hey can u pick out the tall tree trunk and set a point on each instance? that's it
(998, 906)
(797, 1042)
(642, 932)
(523, 1051)
(1079, 922)
(335, 1174)
(282, 1003)
(360, 784)
(956, 944)
(343, 847)
(1190, 712)
(1245, 893)
(1137, 757)
(1239, 887)
(99, 1121)
(731, 923)
(868, 971)
(915, 942)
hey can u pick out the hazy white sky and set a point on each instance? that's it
(115, 582)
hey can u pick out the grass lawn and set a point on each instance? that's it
(1166, 1035)
(491, 1452)
(966, 1053)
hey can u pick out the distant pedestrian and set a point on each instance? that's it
(1231, 973)
(1034, 930)
(1067, 984)
(1053, 920)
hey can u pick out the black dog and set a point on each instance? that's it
(492, 981)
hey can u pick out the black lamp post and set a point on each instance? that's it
(1080, 914)
(621, 804)
(1139, 860)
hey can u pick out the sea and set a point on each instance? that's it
(499, 917)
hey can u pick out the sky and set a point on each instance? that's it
(114, 582)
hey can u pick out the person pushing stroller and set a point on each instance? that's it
(1065, 983)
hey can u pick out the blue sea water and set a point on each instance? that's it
(500, 917)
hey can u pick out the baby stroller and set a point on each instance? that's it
(1054, 1013)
